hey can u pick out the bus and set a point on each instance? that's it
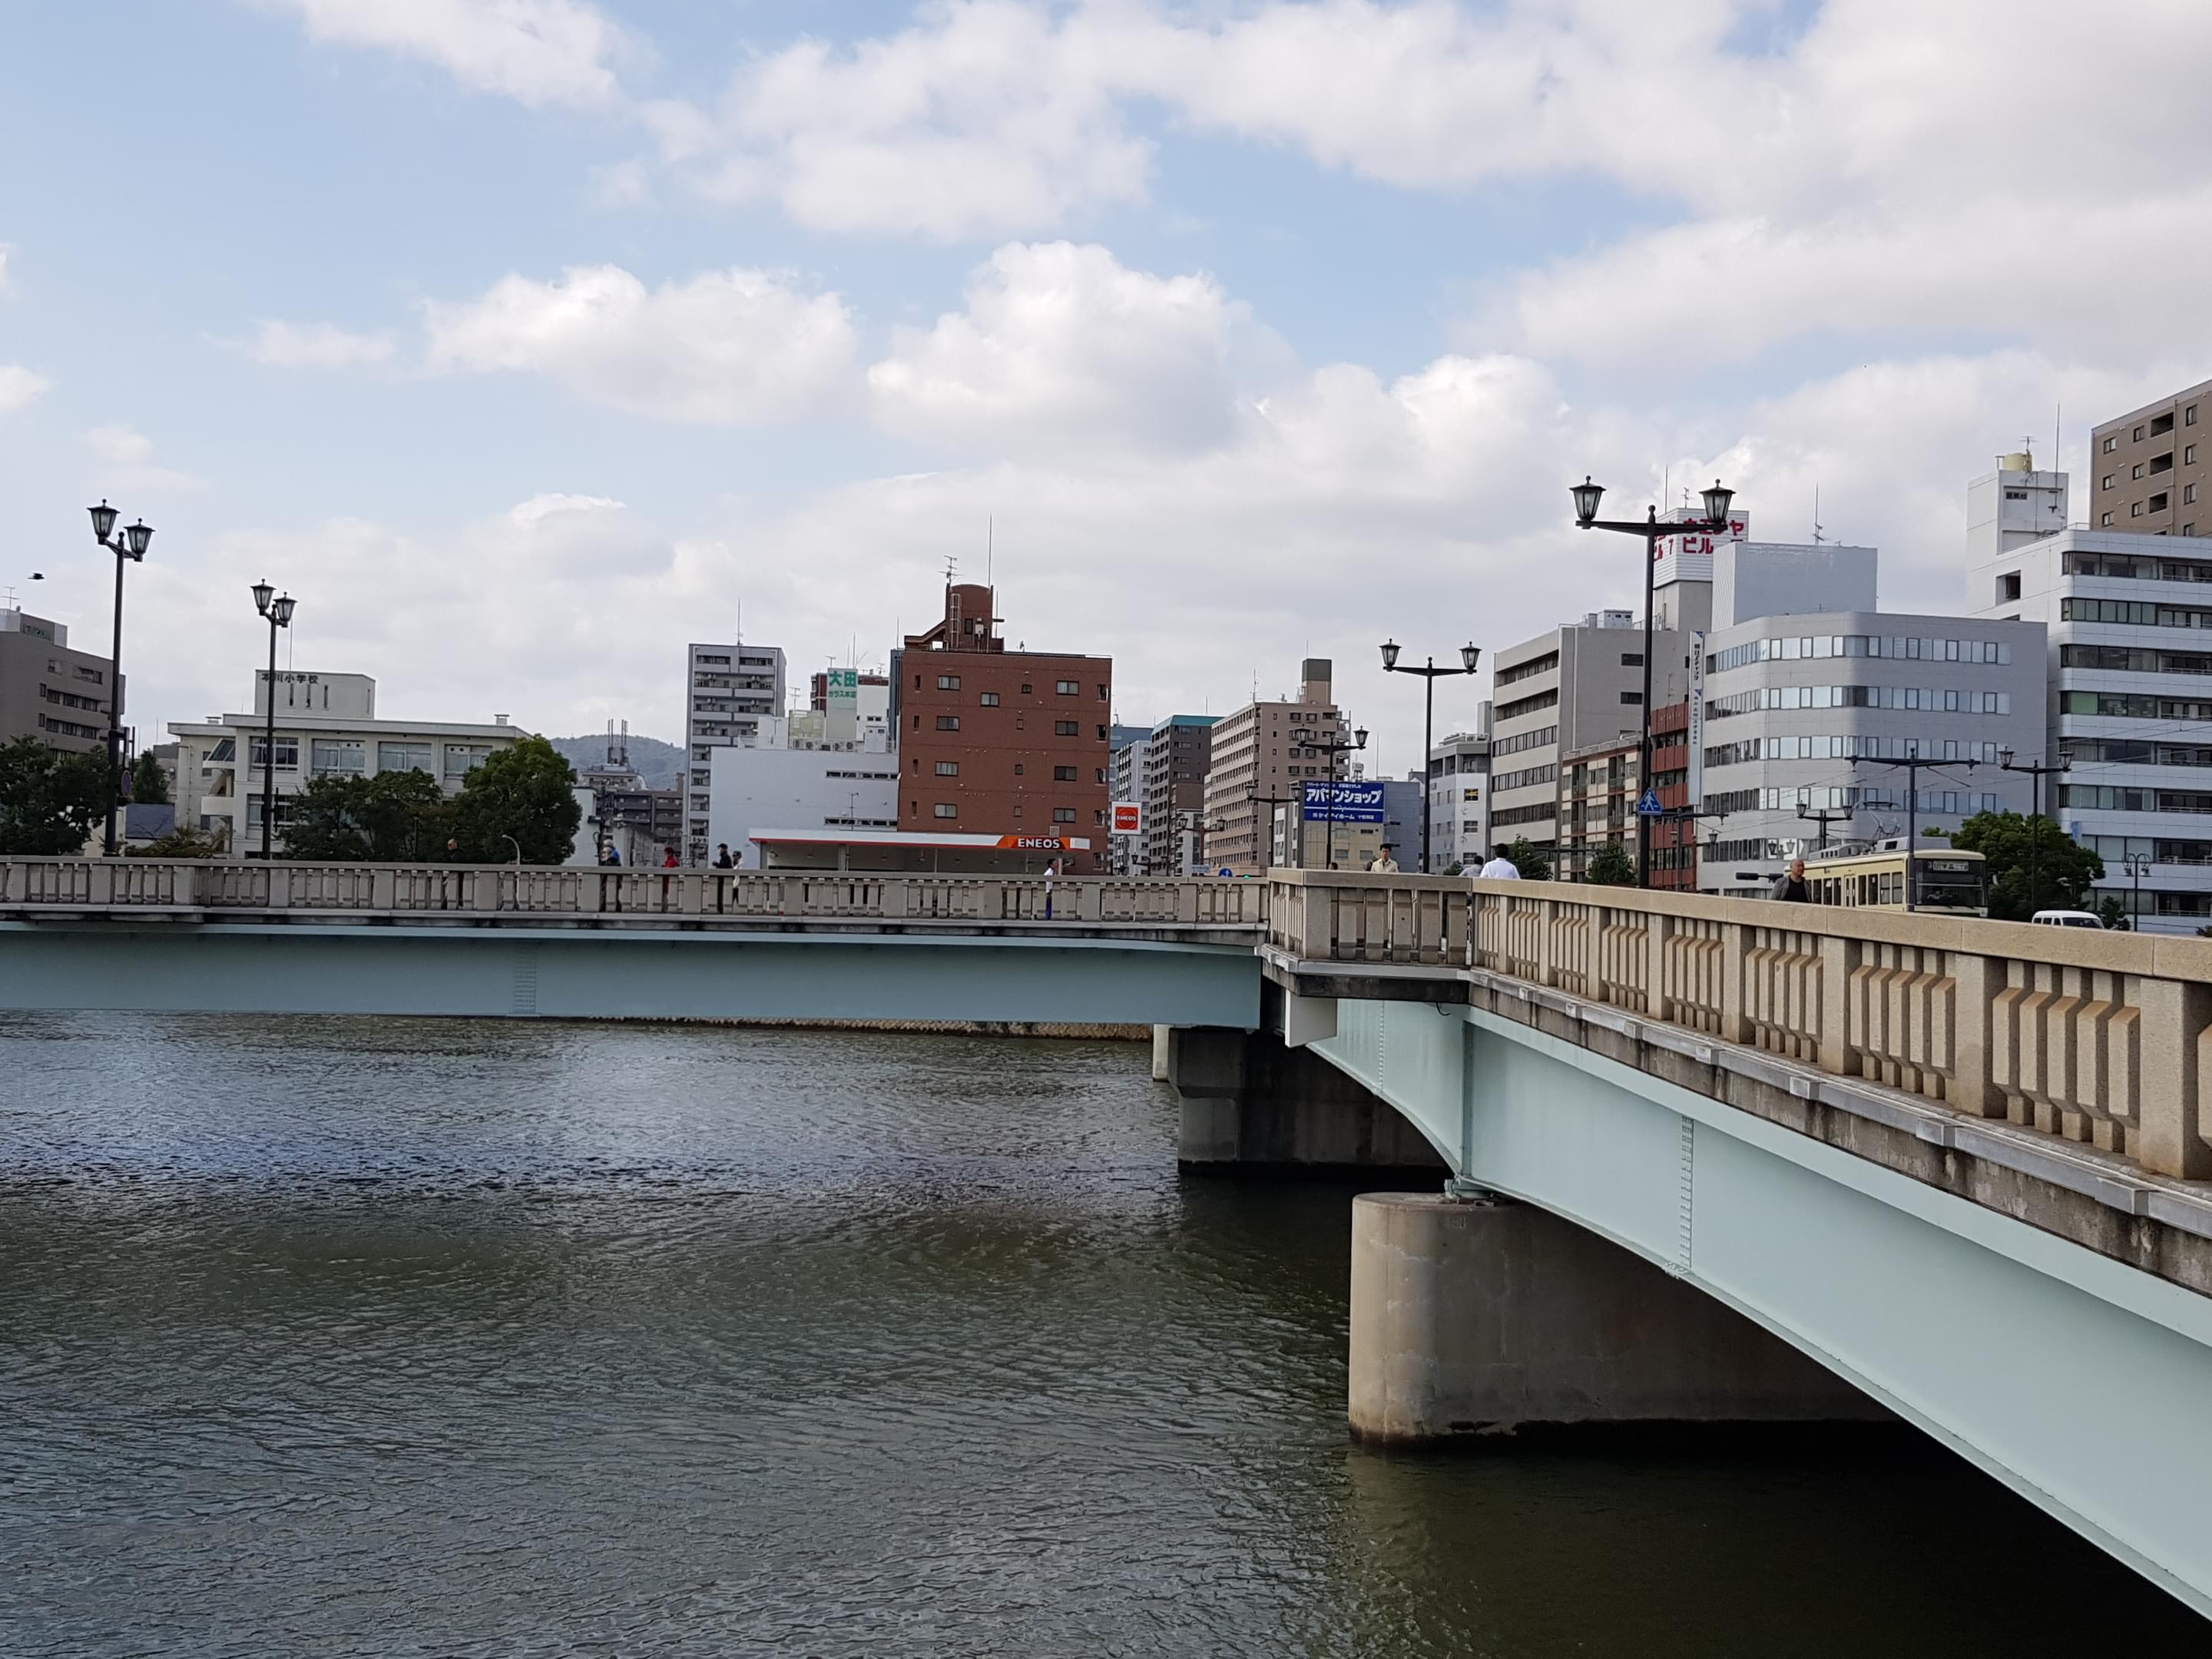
(1870, 874)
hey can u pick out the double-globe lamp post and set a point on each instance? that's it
(1469, 655)
(278, 609)
(1331, 748)
(131, 545)
(1715, 522)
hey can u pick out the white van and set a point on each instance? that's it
(2066, 918)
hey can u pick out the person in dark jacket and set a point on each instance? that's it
(1789, 886)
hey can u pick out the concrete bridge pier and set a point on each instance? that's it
(1489, 1317)
(1251, 1105)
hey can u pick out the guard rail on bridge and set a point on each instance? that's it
(216, 889)
(2100, 1038)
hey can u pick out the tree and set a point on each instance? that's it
(50, 801)
(2114, 914)
(1611, 866)
(2032, 864)
(179, 843)
(150, 784)
(526, 791)
(1533, 865)
(383, 818)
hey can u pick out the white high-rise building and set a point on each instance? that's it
(729, 689)
(2129, 698)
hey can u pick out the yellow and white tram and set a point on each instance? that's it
(1946, 881)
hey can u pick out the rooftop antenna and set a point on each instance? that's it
(1817, 537)
(990, 547)
(741, 638)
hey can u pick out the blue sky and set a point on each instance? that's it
(525, 340)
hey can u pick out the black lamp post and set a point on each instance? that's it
(132, 545)
(2138, 867)
(1332, 748)
(279, 612)
(1587, 496)
(1470, 656)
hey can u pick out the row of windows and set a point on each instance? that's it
(2157, 505)
(1803, 647)
(1513, 815)
(948, 809)
(947, 769)
(2157, 426)
(2134, 705)
(70, 699)
(1816, 797)
(2138, 613)
(1832, 746)
(1524, 777)
(1520, 705)
(2108, 798)
(1530, 669)
(1060, 688)
(1928, 699)
(2159, 850)
(68, 728)
(2127, 568)
(2134, 752)
(1539, 739)
(1060, 728)
(2135, 660)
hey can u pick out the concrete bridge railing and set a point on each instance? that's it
(216, 887)
(2101, 1038)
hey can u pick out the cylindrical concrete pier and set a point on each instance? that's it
(1490, 1317)
(1160, 1038)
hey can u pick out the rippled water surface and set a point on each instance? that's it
(397, 1337)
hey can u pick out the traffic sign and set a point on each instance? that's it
(1649, 807)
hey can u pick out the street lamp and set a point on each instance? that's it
(278, 609)
(1470, 656)
(1332, 749)
(132, 545)
(2138, 867)
(1587, 496)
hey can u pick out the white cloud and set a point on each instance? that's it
(535, 51)
(317, 345)
(6, 281)
(127, 458)
(730, 348)
(1062, 344)
(20, 387)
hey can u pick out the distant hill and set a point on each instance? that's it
(660, 764)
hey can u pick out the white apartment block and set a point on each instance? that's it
(1126, 781)
(1577, 684)
(772, 787)
(729, 689)
(1459, 801)
(2130, 677)
(326, 726)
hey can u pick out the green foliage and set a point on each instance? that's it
(525, 791)
(1533, 865)
(49, 800)
(2114, 914)
(1611, 866)
(179, 843)
(150, 784)
(2033, 864)
(384, 817)
(1457, 869)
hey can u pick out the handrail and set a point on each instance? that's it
(2098, 1037)
(218, 886)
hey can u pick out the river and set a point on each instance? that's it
(413, 1337)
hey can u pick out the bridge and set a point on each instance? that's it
(1706, 1158)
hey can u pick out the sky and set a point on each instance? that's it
(525, 341)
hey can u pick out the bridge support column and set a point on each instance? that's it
(1492, 1317)
(1252, 1106)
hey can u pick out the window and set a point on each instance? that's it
(2007, 586)
(2110, 444)
(332, 755)
(948, 722)
(404, 758)
(2138, 436)
(1027, 689)
(1019, 768)
(2136, 511)
(2160, 425)
(2106, 483)
(462, 758)
(1104, 734)
(948, 768)
(288, 752)
(1632, 697)
(2016, 495)
(2189, 416)
(2158, 501)
(2188, 492)
(1102, 775)
(1021, 723)
(2189, 456)
(2138, 472)
(1067, 728)
(1068, 688)
(2103, 519)
(1063, 815)
(946, 809)
(1105, 694)
(1631, 659)
(226, 750)
(989, 700)
(948, 681)
(1063, 774)
(2161, 463)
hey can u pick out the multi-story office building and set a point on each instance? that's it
(1125, 783)
(1599, 785)
(2129, 702)
(1674, 836)
(1319, 844)
(1801, 711)
(729, 689)
(1577, 685)
(1007, 743)
(1459, 801)
(1258, 761)
(326, 726)
(48, 691)
(1176, 756)
(2152, 469)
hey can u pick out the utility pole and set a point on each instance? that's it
(1268, 846)
(1824, 818)
(1913, 765)
(2038, 772)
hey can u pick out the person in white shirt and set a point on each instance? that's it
(1500, 868)
(1384, 864)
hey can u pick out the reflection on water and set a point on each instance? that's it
(444, 1337)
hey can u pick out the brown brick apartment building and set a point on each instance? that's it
(1000, 742)
(2152, 469)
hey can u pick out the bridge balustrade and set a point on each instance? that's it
(2099, 1038)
